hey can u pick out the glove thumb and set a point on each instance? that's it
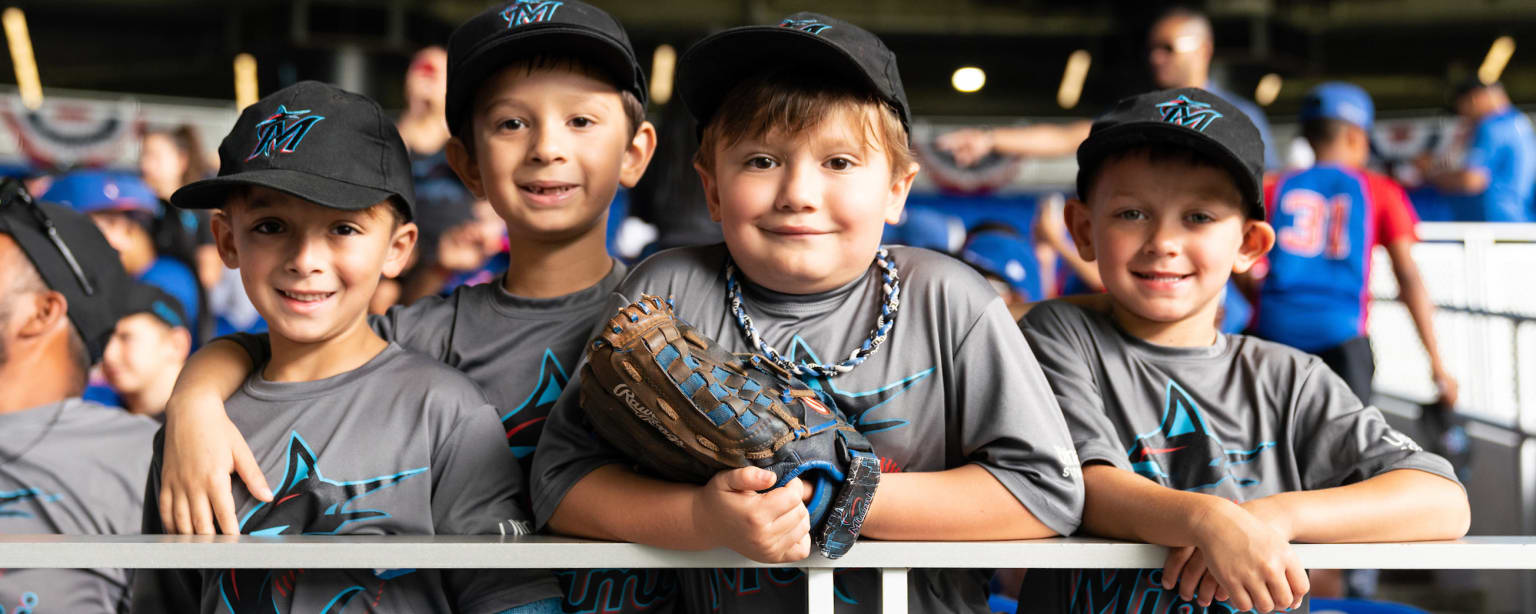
(749, 479)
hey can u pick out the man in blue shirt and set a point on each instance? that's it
(1495, 179)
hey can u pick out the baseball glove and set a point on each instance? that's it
(685, 409)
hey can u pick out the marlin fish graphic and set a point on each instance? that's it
(524, 422)
(15, 497)
(1184, 453)
(858, 407)
(308, 503)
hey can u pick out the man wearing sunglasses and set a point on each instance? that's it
(67, 466)
(1179, 49)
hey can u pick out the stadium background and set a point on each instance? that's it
(109, 68)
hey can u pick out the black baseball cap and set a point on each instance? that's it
(812, 42)
(528, 28)
(314, 141)
(72, 258)
(1187, 117)
(150, 299)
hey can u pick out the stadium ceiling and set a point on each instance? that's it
(1404, 51)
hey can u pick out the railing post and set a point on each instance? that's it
(820, 593)
(893, 590)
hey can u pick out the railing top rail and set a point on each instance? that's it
(459, 552)
(1458, 231)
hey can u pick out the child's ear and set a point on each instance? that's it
(401, 244)
(178, 344)
(638, 155)
(465, 166)
(1258, 237)
(900, 188)
(1080, 223)
(711, 191)
(224, 238)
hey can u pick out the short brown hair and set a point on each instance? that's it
(634, 110)
(791, 103)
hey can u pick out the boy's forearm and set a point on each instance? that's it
(617, 504)
(216, 370)
(961, 504)
(1400, 505)
(1123, 505)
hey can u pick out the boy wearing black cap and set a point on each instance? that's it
(1224, 446)
(148, 347)
(360, 435)
(804, 159)
(67, 466)
(546, 103)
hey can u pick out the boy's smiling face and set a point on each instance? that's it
(804, 213)
(310, 270)
(1167, 236)
(551, 146)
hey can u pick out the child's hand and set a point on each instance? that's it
(1249, 559)
(1185, 569)
(771, 527)
(202, 449)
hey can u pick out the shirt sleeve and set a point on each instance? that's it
(162, 590)
(568, 448)
(1058, 334)
(1009, 421)
(1339, 441)
(476, 486)
(1395, 218)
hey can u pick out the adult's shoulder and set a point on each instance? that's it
(107, 422)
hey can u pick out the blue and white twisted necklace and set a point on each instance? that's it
(890, 286)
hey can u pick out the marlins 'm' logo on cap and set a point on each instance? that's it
(524, 12)
(1188, 113)
(282, 132)
(809, 26)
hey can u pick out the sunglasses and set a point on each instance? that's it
(13, 194)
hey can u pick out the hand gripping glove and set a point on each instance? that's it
(685, 409)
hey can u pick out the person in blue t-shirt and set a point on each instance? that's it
(1495, 179)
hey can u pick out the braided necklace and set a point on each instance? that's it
(890, 286)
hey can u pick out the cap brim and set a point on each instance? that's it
(1126, 136)
(324, 191)
(713, 66)
(551, 40)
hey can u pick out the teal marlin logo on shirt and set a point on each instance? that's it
(861, 408)
(1184, 453)
(524, 422)
(10, 501)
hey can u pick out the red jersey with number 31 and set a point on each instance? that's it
(1327, 220)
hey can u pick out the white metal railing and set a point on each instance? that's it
(537, 552)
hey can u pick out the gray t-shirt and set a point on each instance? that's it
(955, 383)
(1241, 419)
(71, 468)
(402, 445)
(521, 351)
